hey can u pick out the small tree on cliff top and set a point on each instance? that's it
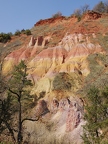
(100, 7)
(58, 14)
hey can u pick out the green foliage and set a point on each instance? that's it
(19, 82)
(103, 22)
(17, 33)
(16, 103)
(62, 81)
(96, 116)
(98, 71)
(5, 37)
(6, 108)
(19, 89)
(27, 32)
(103, 40)
(23, 31)
(79, 18)
(5, 114)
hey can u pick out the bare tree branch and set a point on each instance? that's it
(30, 119)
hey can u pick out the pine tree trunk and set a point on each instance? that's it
(19, 137)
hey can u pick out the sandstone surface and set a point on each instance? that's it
(65, 116)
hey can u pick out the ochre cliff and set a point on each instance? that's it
(58, 57)
(70, 52)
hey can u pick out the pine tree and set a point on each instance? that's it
(15, 103)
(19, 90)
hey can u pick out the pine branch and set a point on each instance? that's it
(14, 93)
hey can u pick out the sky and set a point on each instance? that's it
(23, 14)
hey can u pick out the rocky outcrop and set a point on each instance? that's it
(32, 41)
(47, 61)
(72, 49)
(72, 111)
(42, 41)
(84, 49)
(39, 41)
(49, 21)
(41, 108)
(91, 15)
(54, 105)
(69, 55)
(62, 123)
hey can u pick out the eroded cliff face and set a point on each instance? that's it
(65, 57)
(61, 121)
(61, 117)
(57, 63)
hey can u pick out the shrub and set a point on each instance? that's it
(85, 8)
(17, 33)
(4, 37)
(23, 30)
(79, 12)
(100, 7)
(62, 81)
(10, 33)
(58, 14)
(27, 32)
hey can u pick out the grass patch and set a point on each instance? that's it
(43, 30)
(62, 81)
(104, 22)
(98, 76)
(5, 50)
(102, 40)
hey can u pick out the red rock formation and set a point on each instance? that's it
(73, 118)
(49, 21)
(39, 40)
(70, 114)
(15, 55)
(41, 108)
(32, 41)
(92, 15)
(54, 106)
(54, 52)
(21, 54)
(84, 50)
(56, 59)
